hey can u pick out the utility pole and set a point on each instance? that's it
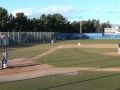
(80, 27)
(80, 32)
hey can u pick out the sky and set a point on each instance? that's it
(73, 10)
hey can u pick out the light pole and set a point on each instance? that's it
(80, 27)
(80, 33)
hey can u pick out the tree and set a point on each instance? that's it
(21, 22)
(91, 26)
(97, 25)
(10, 24)
(42, 22)
(3, 19)
(60, 23)
(75, 27)
(104, 25)
(48, 23)
(53, 23)
(35, 25)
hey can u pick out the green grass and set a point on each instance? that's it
(83, 81)
(91, 41)
(101, 41)
(81, 57)
(26, 52)
(76, 57)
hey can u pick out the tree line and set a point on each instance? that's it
(47, 23)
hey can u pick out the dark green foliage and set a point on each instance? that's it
(47, 23)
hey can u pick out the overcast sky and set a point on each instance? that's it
(104, 10)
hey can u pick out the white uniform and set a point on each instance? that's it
(52, 41)
(5, 57)
(79, 44)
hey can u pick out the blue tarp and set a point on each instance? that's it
(87, 36)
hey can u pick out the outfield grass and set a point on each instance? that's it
(30, 51)
(91, 41)
(76, 57)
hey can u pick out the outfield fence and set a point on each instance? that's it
(16, 38)
(29, 37)
(88, 36)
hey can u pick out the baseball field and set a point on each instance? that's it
(95, 65)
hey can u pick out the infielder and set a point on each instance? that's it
(79, 43)
(52, 41)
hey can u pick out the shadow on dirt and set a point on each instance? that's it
(23, 65)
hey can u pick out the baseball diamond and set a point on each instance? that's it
(26, 68)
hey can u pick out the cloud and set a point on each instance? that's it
(113, 12)
(67, 11)
(28, 11)
(99, 10)
(106, 11)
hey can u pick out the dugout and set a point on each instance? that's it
(4, 40)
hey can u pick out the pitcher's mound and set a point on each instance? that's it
(112, 54)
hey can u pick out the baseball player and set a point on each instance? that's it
(79, 43)
(52, 41)
(4, 61)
